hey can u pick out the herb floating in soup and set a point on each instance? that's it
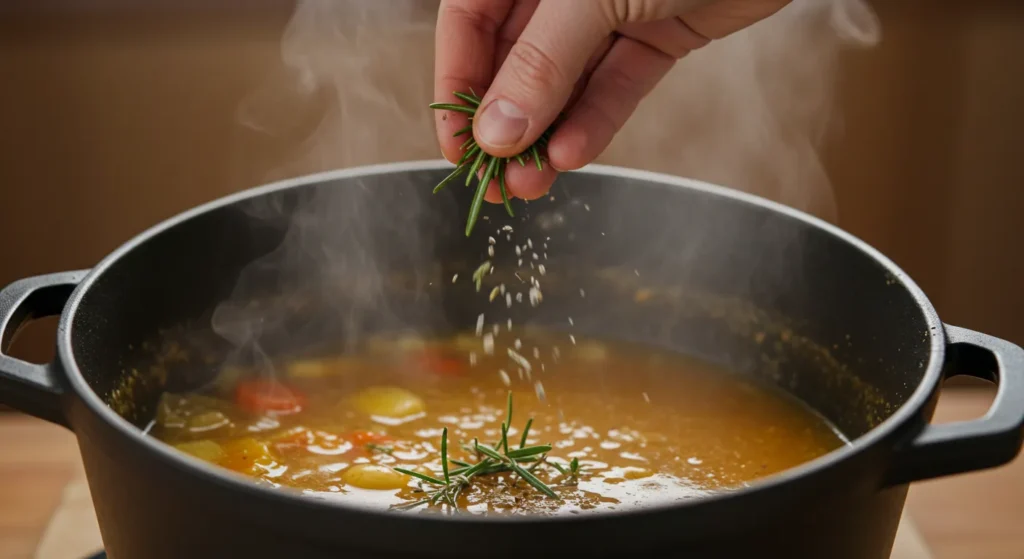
(412, 425)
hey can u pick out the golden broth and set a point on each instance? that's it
(646, 426)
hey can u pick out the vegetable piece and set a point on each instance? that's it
(247, 456)
(166, 416)
(437, 362)
(266, 395)
(373, 476)
(175, 411)
(207, 421)
(388, 401)
(203, 450)
(309, 368)
(363, 438)
(320, 368)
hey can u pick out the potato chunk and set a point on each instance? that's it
(203, 450)
(247, 456)
(374, 476)
(389, 401)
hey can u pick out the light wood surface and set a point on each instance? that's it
(977, 516)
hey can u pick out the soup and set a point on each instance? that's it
(610, 426)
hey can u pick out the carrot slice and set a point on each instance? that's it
(361, 438)
(265, 395)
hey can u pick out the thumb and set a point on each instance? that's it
(535, 81)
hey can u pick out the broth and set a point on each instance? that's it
(645, 426)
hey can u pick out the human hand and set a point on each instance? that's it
(593, 59)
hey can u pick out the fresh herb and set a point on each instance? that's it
(572, 473)
(373, 447)
(499, 458)
(478, 274)
(474, 158)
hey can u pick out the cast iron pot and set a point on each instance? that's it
(299, 266)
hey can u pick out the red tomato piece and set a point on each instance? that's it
(440, 364)
(266, 395)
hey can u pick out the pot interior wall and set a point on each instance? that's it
(320, 267)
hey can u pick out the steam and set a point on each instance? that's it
(749, 112)
(364, 70)
(357, 68)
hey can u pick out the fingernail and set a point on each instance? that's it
(502, 124)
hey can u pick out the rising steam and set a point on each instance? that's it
(749, 112)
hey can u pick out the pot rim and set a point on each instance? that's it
(239, 483)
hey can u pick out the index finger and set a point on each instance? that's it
(467, 31)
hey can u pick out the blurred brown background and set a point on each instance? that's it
(118, 114)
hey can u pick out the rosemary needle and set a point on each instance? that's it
(508, 409)
(501, 186)
(528, 451)
(471, 99)
(424, 477)
(490, 452)
(478, 197)
(532, 480)
(526, 432)
(458, 171)
(480, 158)
(444, 455)
(453, 107)
(469, 154)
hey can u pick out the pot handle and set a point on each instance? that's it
(31, 388)
(988, 442)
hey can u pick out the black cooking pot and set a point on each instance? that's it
(307, 265)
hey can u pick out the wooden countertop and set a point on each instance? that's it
(976, 516)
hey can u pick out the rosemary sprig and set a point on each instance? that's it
(474, 158)
(500, 458)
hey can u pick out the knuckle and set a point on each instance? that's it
(602, 117)
(621, 85)
(535, 70)
(477, 20)
(625, 11)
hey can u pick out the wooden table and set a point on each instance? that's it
(977, 516)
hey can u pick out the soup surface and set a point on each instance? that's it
(627, 425)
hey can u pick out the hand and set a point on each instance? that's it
(593, 59)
